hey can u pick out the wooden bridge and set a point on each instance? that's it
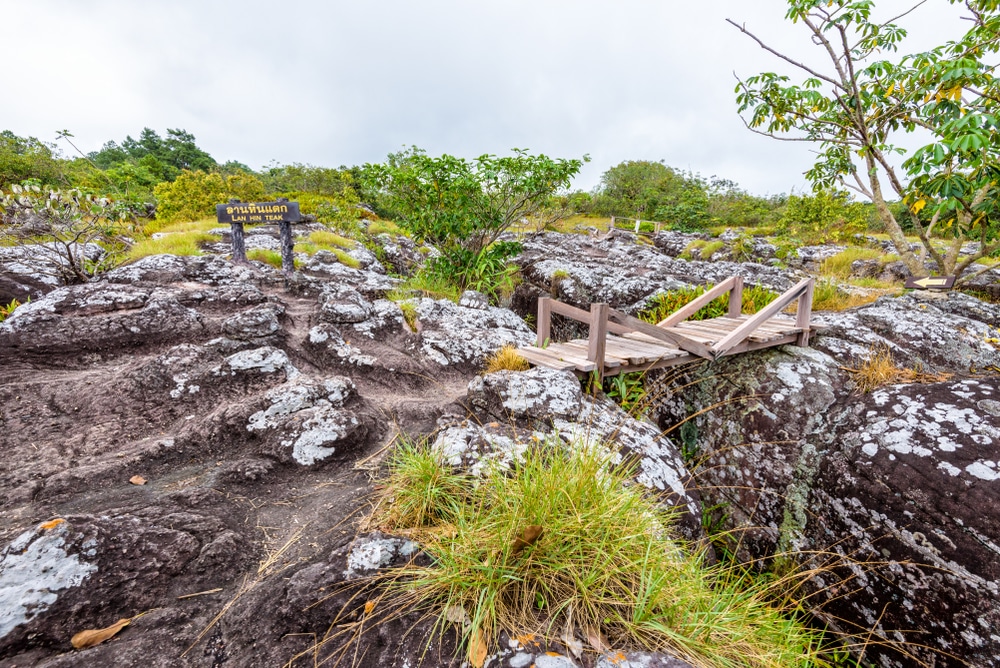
(619, 343)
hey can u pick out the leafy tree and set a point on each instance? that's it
(165, 158)
(463, 206)
(193, 195)
(297, 177)
(27, 158)
(858, 106)
(652, 190)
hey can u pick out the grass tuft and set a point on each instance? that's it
(878, 369)
(171, 243)
(270, 257)
(563, 540)
(839, 265)
(506, 359)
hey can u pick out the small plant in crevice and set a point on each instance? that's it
(506, 359)
(5, 311)
(409, 311)
(628, 390)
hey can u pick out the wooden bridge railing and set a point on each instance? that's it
(602, 319)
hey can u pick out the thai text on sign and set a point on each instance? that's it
(258, 212)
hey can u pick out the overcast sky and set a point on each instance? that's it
(341, 83)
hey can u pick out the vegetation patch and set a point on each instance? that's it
(506, 359)
(270, 257)
(561, 544)
(839, 265)
(172, 243)
(424, 284)
(664, 304)
(878, 369)
(6, 310)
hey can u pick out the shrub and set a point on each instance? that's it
(65, 227)
(194, 195)
(463, 207)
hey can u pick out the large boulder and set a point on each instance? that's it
(891, 497)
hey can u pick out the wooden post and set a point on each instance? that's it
(637, 223)
(804, 313)
(287, 245)
(736, 297)
(239, 244)
(597, 342)
(287, 256)
(543, 323)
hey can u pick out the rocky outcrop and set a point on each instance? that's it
(891, 496)
(615, 269)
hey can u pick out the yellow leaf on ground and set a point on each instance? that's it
(369, 606)
(477, 649)
(137, 480)
(91, 637)
(52, 524)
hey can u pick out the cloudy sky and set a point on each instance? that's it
(340, 83)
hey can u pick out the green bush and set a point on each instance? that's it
(194, 195)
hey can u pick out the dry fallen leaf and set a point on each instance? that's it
(91, 637)
(456, 614)
(137, 480)
(529, 536)
(369, 606)
(52, 524)
(477, 649)
(596, 640)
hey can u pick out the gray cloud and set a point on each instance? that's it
(339, 82)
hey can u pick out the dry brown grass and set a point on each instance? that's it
(506, 359)
(878, 369)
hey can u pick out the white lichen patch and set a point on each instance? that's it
(260, 360)
(371, 553)
(908, 422)
(315, 441)
(33, 568)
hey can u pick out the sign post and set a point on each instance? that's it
(280, 211)
(931, 283)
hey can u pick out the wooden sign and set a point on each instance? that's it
(931, 283)
(249, 213)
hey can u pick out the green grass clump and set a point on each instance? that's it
(381, 226)
(409, 310)
(562, 538)
(329, 240)
(839, 265)
(172, 243)
(663, 304)
(270, 257)
(425, 284)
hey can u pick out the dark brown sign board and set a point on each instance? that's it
(931, 283)
(249, 213)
